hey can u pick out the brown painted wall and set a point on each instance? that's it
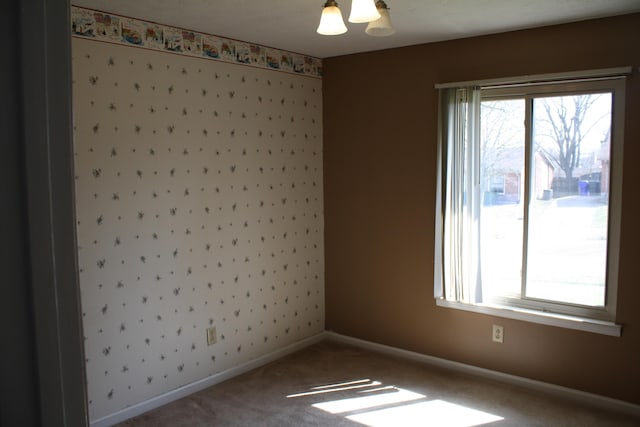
(380, 146)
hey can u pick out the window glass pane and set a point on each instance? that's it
(502, 184)
(496, 184)
(568, 211)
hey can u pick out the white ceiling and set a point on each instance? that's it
(291, 24)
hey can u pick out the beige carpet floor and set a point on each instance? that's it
(333, 384)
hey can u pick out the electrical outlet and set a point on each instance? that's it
(498, 333)
(211, 335)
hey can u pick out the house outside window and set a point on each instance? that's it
(496, 184)
(524, 223)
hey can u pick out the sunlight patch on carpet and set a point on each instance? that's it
(332, 388)
(435, 413)
(384, 396)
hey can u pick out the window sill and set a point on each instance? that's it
(550, 319)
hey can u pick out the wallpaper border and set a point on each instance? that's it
(108, 27)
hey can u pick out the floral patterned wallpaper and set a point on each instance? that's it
(199, 203)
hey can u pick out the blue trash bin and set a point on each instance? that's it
(583, 188)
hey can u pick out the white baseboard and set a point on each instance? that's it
(565, 392)
(188, 389)
(577, 395)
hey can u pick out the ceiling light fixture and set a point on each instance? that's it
(331, 22)
(377, 15)
(381, 27)
(363, 11)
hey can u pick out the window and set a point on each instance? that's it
(496, 184)
(529, 189)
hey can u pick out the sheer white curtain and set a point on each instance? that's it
(457, 252)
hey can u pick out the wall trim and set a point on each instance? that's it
(536, 316)
(590, 399)
(111, 28)
(186, 390)
(44, 123)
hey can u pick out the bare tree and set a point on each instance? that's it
(502, 136)
(566, 127)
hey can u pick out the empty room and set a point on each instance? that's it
(302, 213)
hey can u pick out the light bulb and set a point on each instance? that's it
(331, 22)
(363, 11)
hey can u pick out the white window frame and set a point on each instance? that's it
(459, 294)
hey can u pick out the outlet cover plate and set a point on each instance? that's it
(498, 333)
(211, 335)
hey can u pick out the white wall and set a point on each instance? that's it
(199, 203)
